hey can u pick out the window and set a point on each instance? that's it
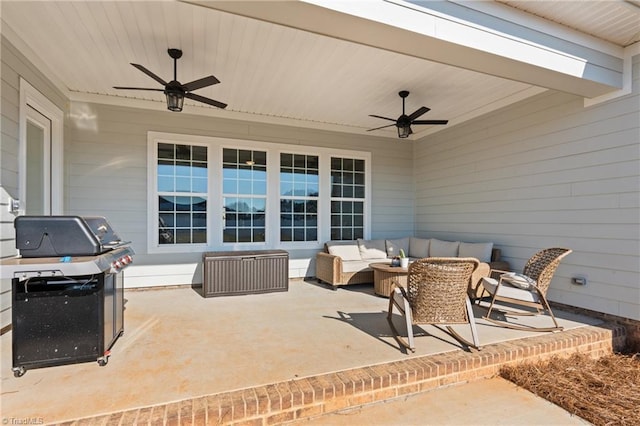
(347, 198)
(299, 186)
(182, 194)
(244, 188)
(208, 193)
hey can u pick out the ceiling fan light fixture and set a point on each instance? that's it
(175, 101)
(404, 131)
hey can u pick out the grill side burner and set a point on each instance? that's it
(67, 290)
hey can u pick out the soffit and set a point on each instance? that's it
(268, 72)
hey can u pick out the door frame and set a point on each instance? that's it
(31, 97)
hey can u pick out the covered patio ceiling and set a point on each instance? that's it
(327, 64)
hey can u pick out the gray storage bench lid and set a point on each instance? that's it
(244, 254)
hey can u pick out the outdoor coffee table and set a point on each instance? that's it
(384, 275)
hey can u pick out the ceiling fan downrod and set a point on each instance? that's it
(175, 54)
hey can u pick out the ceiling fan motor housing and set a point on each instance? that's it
(175, 53)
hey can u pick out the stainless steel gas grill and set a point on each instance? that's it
(67, 290)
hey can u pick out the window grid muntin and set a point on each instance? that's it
(244, 187)
(348, 193)
(299, 193)
(182, 188)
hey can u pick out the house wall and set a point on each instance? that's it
(13, 66)
(106, 174)
(545, 172)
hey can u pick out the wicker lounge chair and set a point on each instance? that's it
(528, 289)
(436, 294)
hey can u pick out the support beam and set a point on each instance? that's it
(453, 34)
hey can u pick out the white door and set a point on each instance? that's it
(40, 154)
(37, 195)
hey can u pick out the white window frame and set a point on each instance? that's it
(318, 199)
(215, 208)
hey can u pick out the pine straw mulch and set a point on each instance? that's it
(604, 391)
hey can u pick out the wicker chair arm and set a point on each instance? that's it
(328, 267)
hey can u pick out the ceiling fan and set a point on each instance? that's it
(174, 90)
(404, 122)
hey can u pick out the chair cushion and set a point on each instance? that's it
(394, 246)
(418, 247)
(347, 251)
(372, 249)
(509, 291)
(439, 248)
(480, 251)
(519, 280)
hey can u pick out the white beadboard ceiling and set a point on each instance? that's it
(268, 71)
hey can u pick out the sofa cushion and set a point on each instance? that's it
(372, 249)
(481, 251)
(418, 247)
(439, 248)
(394, 246)
(346, 250)
(357, 265)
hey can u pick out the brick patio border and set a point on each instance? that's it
(303, 398)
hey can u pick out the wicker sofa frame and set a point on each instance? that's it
(329, 270)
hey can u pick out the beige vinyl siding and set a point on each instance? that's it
(7, 249)
(545, 172)
(13, 66)
(106, 174)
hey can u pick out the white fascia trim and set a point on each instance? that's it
(422, 20)
(537, 23)
(627, 78)
(443, 28)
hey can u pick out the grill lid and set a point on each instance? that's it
(52, 236)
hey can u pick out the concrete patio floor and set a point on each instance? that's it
(178, 346)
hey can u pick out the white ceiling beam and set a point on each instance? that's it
(455, 35)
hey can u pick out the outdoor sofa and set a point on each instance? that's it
(347, 262)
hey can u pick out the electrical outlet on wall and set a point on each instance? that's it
(14, 206)
(582, 281)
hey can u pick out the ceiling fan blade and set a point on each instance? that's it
(200, 83)
(137, 88)
(378, 128)
(430, 122)
(417, 113)
(150, 74)
(384, 118)
(205, 100)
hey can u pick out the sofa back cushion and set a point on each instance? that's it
(394, 246)
(418, 247)
(372, 249)
(439, 248)
(347, 250)
(481, 251)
